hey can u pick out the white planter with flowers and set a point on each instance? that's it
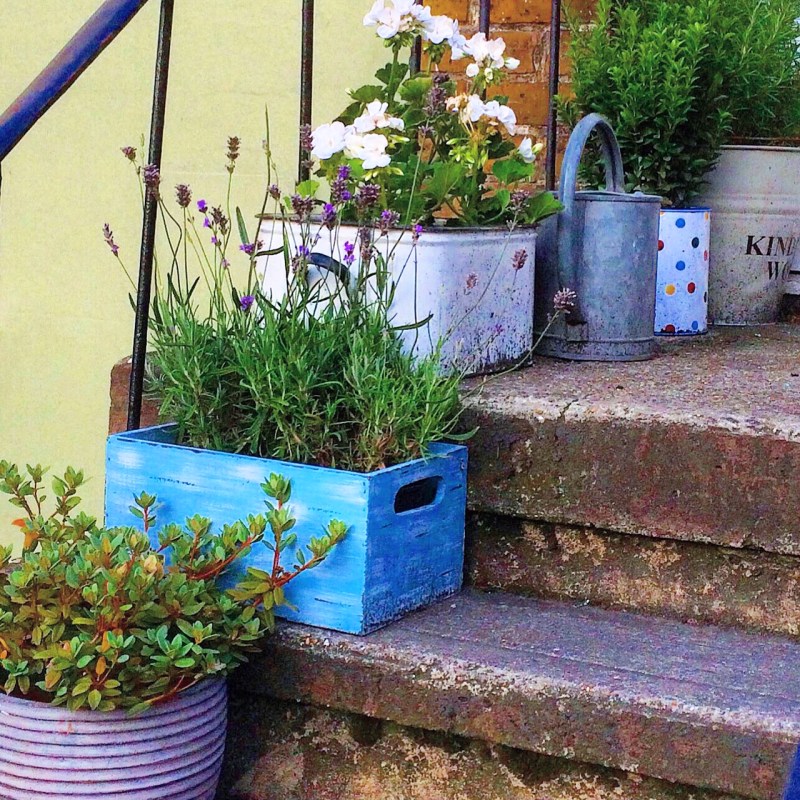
(429, 191)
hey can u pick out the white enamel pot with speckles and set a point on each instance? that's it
(472, 285)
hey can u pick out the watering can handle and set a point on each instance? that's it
(615, 182)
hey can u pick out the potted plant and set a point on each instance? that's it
(649, 68)
(753, 189)
(114, 650)
(437, 163)
(314, 386)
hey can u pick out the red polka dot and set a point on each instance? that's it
(660, 245)
(690, 288)
(668, 329)
(705, 255)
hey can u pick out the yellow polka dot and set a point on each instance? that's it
(670, 290)
(707, 215)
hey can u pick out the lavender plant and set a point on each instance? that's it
(102, 619)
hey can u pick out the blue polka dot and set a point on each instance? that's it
(680, 222)
(695, 242)
(681, 265)
(695, 326)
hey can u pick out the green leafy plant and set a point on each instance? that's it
(653, 69)
(757, 49)
(101, 619)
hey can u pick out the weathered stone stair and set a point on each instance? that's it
(636, 531)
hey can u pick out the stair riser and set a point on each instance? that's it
(279, 750)
(675, 481)
(698, 582)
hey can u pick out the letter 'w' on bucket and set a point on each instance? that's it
(604, 247)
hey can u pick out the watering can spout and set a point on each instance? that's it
(603, 247)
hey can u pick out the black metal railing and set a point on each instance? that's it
(101, 29)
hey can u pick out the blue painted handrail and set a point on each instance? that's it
(95, 35)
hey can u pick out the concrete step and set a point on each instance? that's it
(287, 751)
(702, 706)
(689, 581)
(701, 444)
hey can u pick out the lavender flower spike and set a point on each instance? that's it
(564, 299)
(246, 301)
(108, 235)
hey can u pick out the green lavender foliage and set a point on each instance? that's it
(100, 619)
(333, 389)
(652, 70)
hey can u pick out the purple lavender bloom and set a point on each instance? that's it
(344, 173)
(417, 232)
(214, 240)
(329, 216)
(152, 177)
(129, 153)
(519, 260)
(248, 249)
(246, 301)
(202, 206)
(302, 206)
(387, 220)
(219, 219)
(303, 251)
(367, 196)
(206, 223)
(275, 191)
(349, 253)
(108, 235)
(518, 200)
(339, 191)
(183, 194)
(225, 263)
(306, 138)
(564, 299)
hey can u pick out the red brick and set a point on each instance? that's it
(529, 100)
(457, 9)
(527, 11)
(118, 412)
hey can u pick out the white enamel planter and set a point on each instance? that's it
(464, 280)
(755, 194)
(682, 283)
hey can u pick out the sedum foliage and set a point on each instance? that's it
(101, 619)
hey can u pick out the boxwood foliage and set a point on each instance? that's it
(652, 72)
(102, 619)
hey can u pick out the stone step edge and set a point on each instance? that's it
(569, 717)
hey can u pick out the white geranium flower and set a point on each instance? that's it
(458, 43)
(439, 29)
(488, 53)
(329, 139)
(475, 108)
(503, 114)
(369, 148)
(473, 70)
(375, 116)
(512, 63)
(390, 17)
(528, 150)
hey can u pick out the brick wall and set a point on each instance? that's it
(525, 27)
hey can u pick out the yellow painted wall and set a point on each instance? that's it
(64, 313)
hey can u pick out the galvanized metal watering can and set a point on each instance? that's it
(604, 247)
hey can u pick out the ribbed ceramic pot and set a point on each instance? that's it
(171, 752)
(684, 240)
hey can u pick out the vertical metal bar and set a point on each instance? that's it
(415, 63)
(306, 80)
(150, 217)
(484, 16)
(552, 113)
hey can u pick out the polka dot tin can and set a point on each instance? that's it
(682, 283)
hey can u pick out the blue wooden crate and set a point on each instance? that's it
(405, 542)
